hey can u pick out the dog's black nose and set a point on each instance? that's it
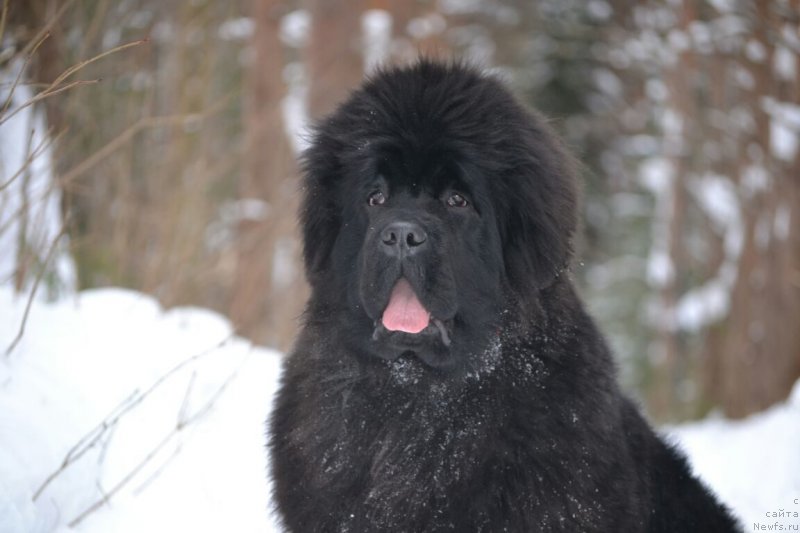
(401, 238)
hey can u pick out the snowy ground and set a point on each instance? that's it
(86, 360)
(161, 416)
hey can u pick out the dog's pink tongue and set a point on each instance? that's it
(405, 312)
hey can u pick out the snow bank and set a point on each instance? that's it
(184, 404)
(753, 464)
(190, 437)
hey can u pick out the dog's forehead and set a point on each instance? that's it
(418, 169)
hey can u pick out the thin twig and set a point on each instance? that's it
(124, 481)
(23, 206)
(157, 472)
(87, 442)
(46, 28)
(44, 144)
(179, 426)
(20, 72)
(117, 142)
(109, 436)
(212, 400)
(131, 131)
(78, 66)
(55, 87)
(46, 94)
(90, 440)
(39, 276)
(3, 18)
(185, 362)
(185, 403)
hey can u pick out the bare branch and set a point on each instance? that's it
(157, 472)
(3, 19)
(185, 403)
(46, 94)
(47, 141)
(27, 50)
(78, 66)
(124, 481)
(55, 87)
(133, 129)
(18, 212)
(90, 440)
(15, 83)
(39, 276)
(174, 433)
(212, 400)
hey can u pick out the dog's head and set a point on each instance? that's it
(436, 208)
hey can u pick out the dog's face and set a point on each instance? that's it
(433, 215)
(428, 274)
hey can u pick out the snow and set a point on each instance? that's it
(743, 78)
(656, 90)
(237, 29)
(284, 269)
(717, 196)
(113, 351)
(709, 302)
(755, 51)
(293, 107)
(755, 179)
(701, 37)
(724, 6)
(678, 40)
(599, 10)
(423, 27)
(784, 128)
(703, 305)
(783, 140)
(182, 378)
(295, 27)
(607, 82)
(458, 7)
(785, 63)
(376, 29)
(660, 271)
(753, 465)
(657, 175)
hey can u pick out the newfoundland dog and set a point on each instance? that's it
(447, 376)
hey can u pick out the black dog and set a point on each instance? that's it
(447, 377)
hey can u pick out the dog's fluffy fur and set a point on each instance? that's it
(504, 413)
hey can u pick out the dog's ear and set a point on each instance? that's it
(539, 223)
(320, 217)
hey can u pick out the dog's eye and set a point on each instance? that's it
(456, 200)
(376, 198)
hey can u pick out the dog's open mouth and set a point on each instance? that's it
(405, 313)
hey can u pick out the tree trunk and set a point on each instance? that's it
(756, 355)
(269, 290)
(334, 58)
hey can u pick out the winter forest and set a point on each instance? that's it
(150, 272)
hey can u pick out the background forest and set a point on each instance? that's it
(173, 130)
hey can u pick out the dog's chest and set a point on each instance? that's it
(395, 437)
(399, 463)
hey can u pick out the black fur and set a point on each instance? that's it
(504, 414)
